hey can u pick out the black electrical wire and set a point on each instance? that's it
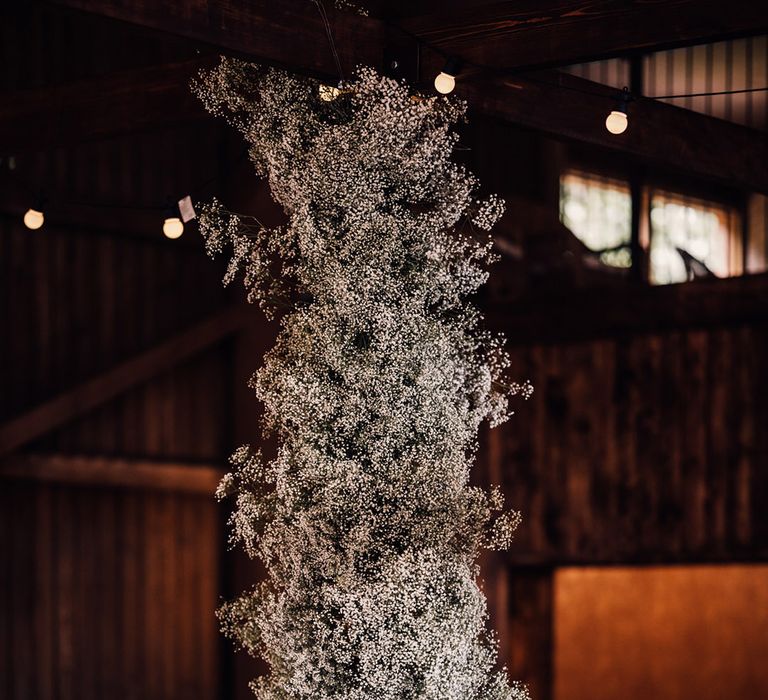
(708, 94)
(493, 70)
(329, 34)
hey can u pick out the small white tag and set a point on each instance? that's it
(186, 209)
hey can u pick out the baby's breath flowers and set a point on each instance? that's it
(375, 390)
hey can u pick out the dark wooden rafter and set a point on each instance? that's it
(595, 312)
(288, 33)
(111, 104)
(555, 103)
(107, 471)
(291, 34)
(510, 35)
(660, 134)
(536, 33)
(97, 390)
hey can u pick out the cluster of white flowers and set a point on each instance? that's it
(350, 7)
(375, 389)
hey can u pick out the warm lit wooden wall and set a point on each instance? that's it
(107, 593)
(671, 633)
(643, 443)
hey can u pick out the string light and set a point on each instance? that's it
(34, 218)
(617, 121)
(445, 82)
(172, 226)
(328, 93)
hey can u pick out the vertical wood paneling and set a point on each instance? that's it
(757, 236)
(759, 453)
(746, 428)
(66, 538)
(530, 630)
(641, 448)
(670, 410)
(22, 603)
(207, 587)
(135, 601)
(576, 462)
(111, 594)
(727, 65)
(45, 671)
(720, 375)
(6, 600)
(188, 635)
(693, 426)
(602, 453)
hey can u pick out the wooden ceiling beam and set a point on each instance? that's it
(611, 311)
(111, 472)
(107, 385)
(547, 33)
(116, 103)
(515, 34)
(659, 134)
(290, 34)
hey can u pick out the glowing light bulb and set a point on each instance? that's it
(328, 93)
(33, 219)
(616, 122)
(172, 227)
(445, 83)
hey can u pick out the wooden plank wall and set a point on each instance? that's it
(107, 593)
(82, 298)
(643, 448)
(110, 591)
(637, 448)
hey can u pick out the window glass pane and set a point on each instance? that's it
(599, 213)
(688, 239)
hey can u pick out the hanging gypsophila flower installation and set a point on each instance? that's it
(375, 390)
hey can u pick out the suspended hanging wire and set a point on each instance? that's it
(329, 34)
(708, 94)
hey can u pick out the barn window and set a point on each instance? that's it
(598, 211)
(692, 238)
(686, 237)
